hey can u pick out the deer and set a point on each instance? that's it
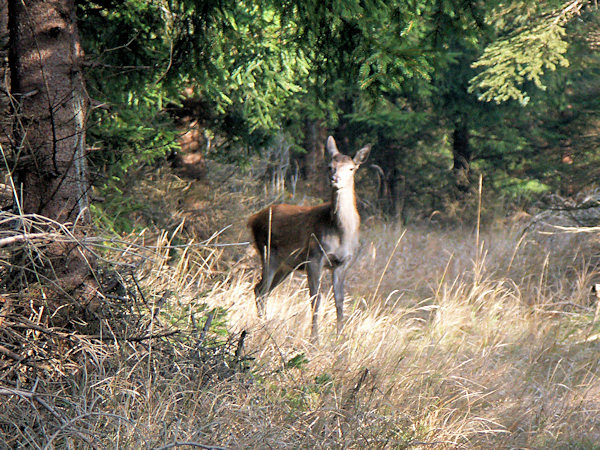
(291, 237)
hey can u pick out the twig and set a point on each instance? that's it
(479, 193)
(67, 424)
(152, 336)
(5, 242)
(28, 325)
(240, 345)
(356, 389)
(191, 444)
(31, 395)
(572, 229)
(432, 443)
(157, 305)
(206, 326)
(139, 290)
(18, 358)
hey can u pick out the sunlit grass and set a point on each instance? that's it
(447, 344)
(462, 346)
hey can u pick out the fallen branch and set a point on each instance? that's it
(152, 336)
(31, 395)
(12, 240)
(20, 359)
(572, 229)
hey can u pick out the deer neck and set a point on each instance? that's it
(343, 211)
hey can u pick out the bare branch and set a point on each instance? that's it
(5, 242)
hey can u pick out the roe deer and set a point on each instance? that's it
(290, 237)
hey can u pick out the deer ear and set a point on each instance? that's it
(332, 149)
(362, 155)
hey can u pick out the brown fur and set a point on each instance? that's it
(291, 230)
(289, 237)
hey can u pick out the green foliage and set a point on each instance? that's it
(528, 190)
(297, 362)
(237, 57)
(114, 213)
(253, 73)
(520, 56)
(137, 133)
(355, 51)
(127, 57)
(133, 133)
(199, 314)
(402, 75)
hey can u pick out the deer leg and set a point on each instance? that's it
(270, 280)
(313, 272)
(261, 299)
(338, 275)
(264, 286)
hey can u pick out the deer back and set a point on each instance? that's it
(292, 232)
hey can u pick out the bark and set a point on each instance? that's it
(390, 192)
(313, 161)
(50, 109)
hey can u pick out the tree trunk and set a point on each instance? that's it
(313, 163)
(51, 105)
(49, 111)
(389, 176)
(462, 154)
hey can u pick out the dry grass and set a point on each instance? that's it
(447, 345)
(462, 348)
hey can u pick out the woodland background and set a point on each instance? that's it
(136, 137)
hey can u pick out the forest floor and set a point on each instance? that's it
(455, 338)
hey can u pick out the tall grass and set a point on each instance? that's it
(452, 340)
(463, 347)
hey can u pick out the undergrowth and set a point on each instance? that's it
(455, 338)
